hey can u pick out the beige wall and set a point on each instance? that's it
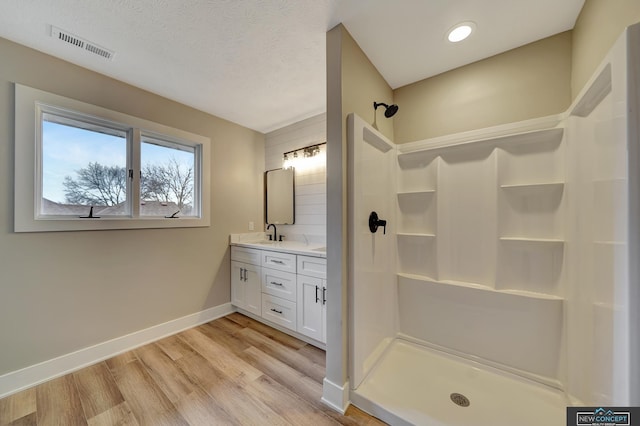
(362, 84)
(599, 25)
(527, 82)
(63, 291)
(548, 73)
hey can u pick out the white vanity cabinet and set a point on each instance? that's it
(279, 288)
(312, 297)
(246, 278)
(282, 289)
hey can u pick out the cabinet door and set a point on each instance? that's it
(246, 287)
(253, 289)
(238, 297)
(309, 306)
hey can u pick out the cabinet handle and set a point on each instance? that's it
(317, 298)
(241, 274)
(276, 311)
(279, 262)
(278, 284)
(245, 274)
(324, 295)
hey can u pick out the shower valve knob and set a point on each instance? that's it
(375, 222)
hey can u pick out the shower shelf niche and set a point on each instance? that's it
(523, 240)
(417, 212)
(415, 234)
(541, 188)
(417, 254)
(530, 265)
(402, 195)
(476, 286)
(417, 174)
(531, 216)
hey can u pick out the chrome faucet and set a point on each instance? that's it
(275, 234)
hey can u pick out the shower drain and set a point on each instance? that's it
(460, 399)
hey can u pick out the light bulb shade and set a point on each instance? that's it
(309, 157)
(460, 31)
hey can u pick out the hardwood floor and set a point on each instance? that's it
(231, 371)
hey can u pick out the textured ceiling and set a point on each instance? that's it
(261, 63)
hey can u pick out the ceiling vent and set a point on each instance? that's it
(80, 43)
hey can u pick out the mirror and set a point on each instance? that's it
(279, 196)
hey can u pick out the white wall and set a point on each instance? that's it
(310, 184)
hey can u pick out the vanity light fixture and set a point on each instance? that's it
(306, 157)
(460, 31)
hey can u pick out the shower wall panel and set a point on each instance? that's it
(598, 326)
(467, 215)
(373, 297)
(516, 332)
(487, 283)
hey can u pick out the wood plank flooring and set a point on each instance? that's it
(231, 371)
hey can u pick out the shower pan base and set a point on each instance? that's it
(415, 385)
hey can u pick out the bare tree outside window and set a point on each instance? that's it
(169, 182)
(96, 184)
(100, 185)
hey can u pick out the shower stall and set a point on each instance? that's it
(500, 290)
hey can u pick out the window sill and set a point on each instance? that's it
(102, 224)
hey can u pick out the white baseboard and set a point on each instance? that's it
(27, 377)
(335, 396)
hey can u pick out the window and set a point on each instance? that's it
(82, 167)
(167, 183)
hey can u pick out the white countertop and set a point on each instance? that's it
(258, 241)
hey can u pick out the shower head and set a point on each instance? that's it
(389, 110)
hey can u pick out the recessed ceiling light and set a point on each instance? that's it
(460, 31)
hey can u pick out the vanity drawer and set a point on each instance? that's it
(246, 255)
(281, 261)
(312, 266)
(279, 311)
(279, 283)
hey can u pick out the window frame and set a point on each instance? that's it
(31, 104)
